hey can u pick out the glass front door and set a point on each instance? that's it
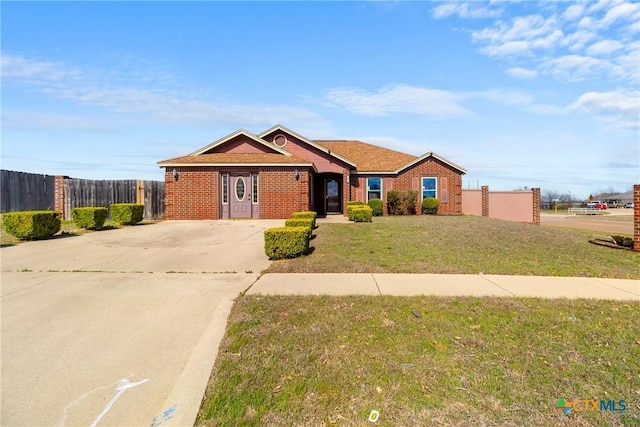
(332, 193)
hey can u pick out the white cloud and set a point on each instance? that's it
(522, 73)
(160, 103)
(604, 47)
(474, 10)
(574, 67)
(624, 12)
(619, 108)
(397, 99)
(21, 119)
(573, 12)
(523, 36)
(568, 41)
(577, 40)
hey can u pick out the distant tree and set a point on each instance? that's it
(606, 192)
(548, 196)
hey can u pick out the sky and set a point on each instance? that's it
(521, 94)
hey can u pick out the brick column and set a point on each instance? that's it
(636, 217)
(485, 200)
(536, 206)
(58, 195)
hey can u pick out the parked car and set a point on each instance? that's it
(597, 205)
(628, 205)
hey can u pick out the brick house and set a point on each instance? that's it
(278, 172)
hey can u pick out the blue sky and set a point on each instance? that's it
(535, 94)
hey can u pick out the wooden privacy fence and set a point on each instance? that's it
(88, 192)
(21, 191)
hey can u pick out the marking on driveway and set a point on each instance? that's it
(123, 385)
(158, 420)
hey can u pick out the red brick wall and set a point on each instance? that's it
(280, 194)
(536, 205)
(58, 191)
(195, 195)
(432, 167)
(636, 217)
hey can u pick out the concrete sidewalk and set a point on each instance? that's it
(446, 285)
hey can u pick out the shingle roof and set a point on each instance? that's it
(235, 158)
(368, 157)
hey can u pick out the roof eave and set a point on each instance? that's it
(435, 156)
(241, 164)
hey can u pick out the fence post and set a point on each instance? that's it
(636, 217)
(140, 192)
(536, 206)
(485, 200)
(58, 200)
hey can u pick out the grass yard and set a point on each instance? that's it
(418, 361)
(461, 245)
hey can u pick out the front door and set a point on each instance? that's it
(332, 196)
(240, 200)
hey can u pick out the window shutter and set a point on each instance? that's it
(444, 193)
(388, 186)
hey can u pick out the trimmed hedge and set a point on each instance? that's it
(352, 205)
(306, 214)
(361, 214)
(376, 205)
(430, 205)
(299, 222)
(31, 225)
(286, 242)
(127, 213)
(89, 218)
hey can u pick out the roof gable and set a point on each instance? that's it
(431, 154)
(216, 145)
(278, 129)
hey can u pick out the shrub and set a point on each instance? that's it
(299, 222)
(410, 200)
(361, 214)
(394, 206)
(90, 218)
(31, 225)
(376, 206)
(286, 242)
(352, 205)
(430, 205)
(402, 202)
(127, 213)
(306, 214)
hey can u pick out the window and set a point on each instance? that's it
(429, 185)
(225, 189)
(374, 188)
(254, 185)
(240, 189)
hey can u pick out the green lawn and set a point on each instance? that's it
(459, 244)
(419, 361)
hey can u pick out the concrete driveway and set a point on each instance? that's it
(120, 327)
